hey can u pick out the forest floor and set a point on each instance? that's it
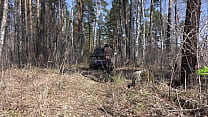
(36, 92)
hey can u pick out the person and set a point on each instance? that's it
(107, 56)
(107, 52)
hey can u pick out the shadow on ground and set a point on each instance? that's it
(95, 74)
(98, 75)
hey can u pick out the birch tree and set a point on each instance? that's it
(138, 40)
(72, 31)
(143, 32)
(176, 24)
(3, 25)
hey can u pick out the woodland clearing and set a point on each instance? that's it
(45, 92)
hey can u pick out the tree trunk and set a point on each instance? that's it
(120, 55)
(95, 26)
(151, 16)
(38, 8)
(129, 45)
(191, 32)
(176, 24)
(168, 41)
(89, 36)
(126, 23)
(3, 25)
(150, 30)
(41, 53)
(37, 40)
(72, 32)
(143, 33)
(98, 22)
(1, 9)
(138, 30)
(80, 31)
(30, 33)
(162, 39)
(25, 25)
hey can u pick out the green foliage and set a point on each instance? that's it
(202, 71)
(112, 17)
(90, 18)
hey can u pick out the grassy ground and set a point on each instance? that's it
(39, 92)
(42, 92)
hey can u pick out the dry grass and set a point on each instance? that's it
(39, 92)
(43, 92)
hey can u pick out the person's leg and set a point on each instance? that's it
(108, 64)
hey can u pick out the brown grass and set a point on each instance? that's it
(43, 92)
(39, 92)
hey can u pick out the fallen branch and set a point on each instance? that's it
(185, 110)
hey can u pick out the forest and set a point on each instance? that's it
(45, 47)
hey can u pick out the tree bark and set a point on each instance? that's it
(168, 41)
(143, 33)
(151, 16)
(80, 31)
(3, 25)
(126, 23)
(30, 42)
(150, 31)
(37, 43)
(191, 32)
(1, 9)
(72, 32)
(138, 30)
(176, 24)
(129, 33)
